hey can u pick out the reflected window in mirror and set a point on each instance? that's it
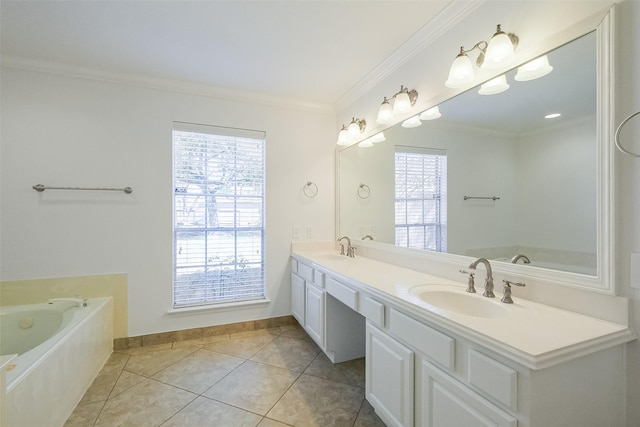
(421, 198)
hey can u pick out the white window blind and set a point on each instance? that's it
(218, 214)
(421, 198)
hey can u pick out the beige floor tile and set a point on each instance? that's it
(288, 353)
(104, 382)
(253, 386)
(242, 347)
(201, 342)
(84, 415)
(267, 422)
(146, 349)
(204, 412)
(198, 371)
(269, 331)
(147, 364)
(316, 402)
(149, 403)
(125, 382)
(297, 333)
(367, 417)
(351, 372)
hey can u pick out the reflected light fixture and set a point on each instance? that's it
(403, 101)
(534, 69)
(412, 122)
(431, 114)
(499, 51)
(494, 86)
(378, 137)
(552, 116)
(349, 133)
(366, 143)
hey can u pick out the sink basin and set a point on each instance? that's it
(332, 257)
(449, 298)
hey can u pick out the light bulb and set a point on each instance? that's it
(499, 51)
(461, 72)
(431, 114)
(412, 122)
(402, 102)
(534, 69)
(494, 86)
(385, 113)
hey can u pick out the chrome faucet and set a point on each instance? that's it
(507, 291)
(79, 302)
(488, 283)
(350, 249)
(368, 237)
(524, 259)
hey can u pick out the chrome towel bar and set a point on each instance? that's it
(486, 198)
(40, 188)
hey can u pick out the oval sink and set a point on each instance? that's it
(332, 257)
(459, 301)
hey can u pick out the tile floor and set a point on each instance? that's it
(268, 378)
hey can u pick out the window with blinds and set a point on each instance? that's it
(218, 215)
(421, 198)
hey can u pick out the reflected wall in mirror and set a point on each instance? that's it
(544, 172)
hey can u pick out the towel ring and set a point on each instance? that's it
(364, 191)
(617, 137)
(310, 189)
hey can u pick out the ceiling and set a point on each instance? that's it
(310, 52)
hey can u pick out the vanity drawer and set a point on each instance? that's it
(342, 293)
(493, 378)
(373, 311)
(318, 278)
(305, 272)
(436, 345)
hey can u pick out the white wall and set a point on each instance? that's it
(69, 131)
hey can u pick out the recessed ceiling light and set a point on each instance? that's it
(552, 116)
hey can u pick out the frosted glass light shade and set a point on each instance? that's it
(500, 50)
(378, 137)
(385, 113)
(402, 103)
(461, 72)
(431, 114)
(412, 122)
(343, 137)
(366, 143)
(493, 86)
(534, 69)
(353, 130)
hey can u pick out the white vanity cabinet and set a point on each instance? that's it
(327, 310)
(389, 377)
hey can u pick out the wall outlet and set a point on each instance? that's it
(296, 232)
(635, 271)
(309, 232)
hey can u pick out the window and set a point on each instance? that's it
(218, 215)
(421, 198)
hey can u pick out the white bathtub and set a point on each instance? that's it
(61, 350)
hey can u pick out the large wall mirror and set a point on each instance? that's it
(492, 177)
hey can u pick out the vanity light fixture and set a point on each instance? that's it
(412, 122)
(366, 143)
(348, 133)
(494, 86)
(431, 114)
(402, 102)
(378, 137)
(500, 50)
(534, 69)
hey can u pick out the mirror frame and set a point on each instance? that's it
(604, 280)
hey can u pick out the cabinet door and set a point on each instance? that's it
(314, 314)
(447, 403)
(297, 298)
(389, 377)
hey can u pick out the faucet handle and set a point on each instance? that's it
(506, 298)
(341, 249)
(471, 283)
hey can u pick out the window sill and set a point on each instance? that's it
(229, 306)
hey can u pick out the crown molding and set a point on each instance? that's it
(449, 16)
(150, 82)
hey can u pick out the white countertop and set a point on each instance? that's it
(531, 333)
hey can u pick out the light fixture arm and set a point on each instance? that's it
(413, 94)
